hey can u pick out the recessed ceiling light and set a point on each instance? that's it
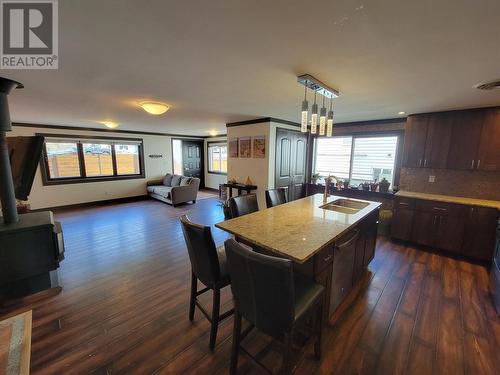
(154, 108)
(401, 113)
(110, 124)
(213, 133)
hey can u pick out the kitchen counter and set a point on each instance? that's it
(296, 230)
(450, 199)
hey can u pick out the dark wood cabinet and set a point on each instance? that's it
(479, 233)
(465, 138)
(489, 146)
(415, 139)
(455, 228)
(437, 142)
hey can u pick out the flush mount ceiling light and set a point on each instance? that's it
(325, 121)
(493, 85)
(154, 108)
(110, 124)
(401, 113)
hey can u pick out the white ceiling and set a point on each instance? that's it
(222, 61)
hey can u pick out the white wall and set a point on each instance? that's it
(212, 180)
(256, 169)
(59, 195)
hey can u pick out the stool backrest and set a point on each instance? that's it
(275, 197)
(263, 288)
(202, 251)
(243, 205)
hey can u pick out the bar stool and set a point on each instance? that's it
(272, 299)
(275, 197)
(243, 205)
(208, 264)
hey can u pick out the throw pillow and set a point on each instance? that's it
(167, 180)
(176, 180)
(185, 181)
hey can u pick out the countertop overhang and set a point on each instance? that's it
(296, 230)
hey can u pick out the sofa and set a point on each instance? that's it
(174, 189)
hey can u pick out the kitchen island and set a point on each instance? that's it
(331, 241)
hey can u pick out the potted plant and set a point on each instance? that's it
(384, 185)
(346, 183)
(225, 209)
(314, 178)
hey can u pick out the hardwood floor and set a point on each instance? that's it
(124, 307)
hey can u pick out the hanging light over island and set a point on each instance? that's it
(325, 120)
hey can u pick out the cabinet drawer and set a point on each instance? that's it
(323, 259)
(440, 208)
(402, 202)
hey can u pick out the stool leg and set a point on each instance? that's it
(235, 349)
(286, 367)
(319, 329)
(194, 287)
(215, 317)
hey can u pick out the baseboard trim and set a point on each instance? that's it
(94, 203)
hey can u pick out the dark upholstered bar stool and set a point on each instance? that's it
(268, 295)
(275, 197)
(208, 264)
(243, 205)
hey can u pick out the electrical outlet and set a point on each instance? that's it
(432, 178)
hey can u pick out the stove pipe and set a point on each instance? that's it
(7, 194)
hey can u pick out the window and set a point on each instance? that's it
(81, 160)
(217, 158)
(357, 158)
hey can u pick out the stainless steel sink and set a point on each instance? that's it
(346, 206)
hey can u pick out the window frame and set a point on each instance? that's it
(393, 133)
(215, 143)
(80, 139)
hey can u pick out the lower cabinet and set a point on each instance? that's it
(464, 230)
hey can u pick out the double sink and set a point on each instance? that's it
(345, 206)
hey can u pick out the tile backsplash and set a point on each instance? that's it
(472, 184)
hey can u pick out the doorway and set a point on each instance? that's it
(187, 159)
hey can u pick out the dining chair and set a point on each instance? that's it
(243, 205)
(275, 197)
(208, 264)
(272, 299)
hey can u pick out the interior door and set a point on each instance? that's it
(291, 158)
(192, 160)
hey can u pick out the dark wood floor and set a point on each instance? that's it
(124, 307)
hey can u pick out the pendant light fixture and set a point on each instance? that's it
(322, 119)
(329, 122)
(305, 112)
(325, 120)
(314, 116)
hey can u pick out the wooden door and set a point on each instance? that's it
(489, 145)
(192, 160)
(479, 236)
(401, 224)
(424, 228)
(465, 137)
(291, 158)
(438, 138)
(415, 138)
(449, 233)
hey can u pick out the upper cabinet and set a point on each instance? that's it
(464, 140)
(489, 146)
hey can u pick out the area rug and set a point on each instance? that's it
(15, 344)
(205, 194)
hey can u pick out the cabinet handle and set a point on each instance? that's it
(328, 258)
(425, 163)
(478, 162)
(419, 162)
(403, 204)
(435, 219)
(472, 164)
(439, 209)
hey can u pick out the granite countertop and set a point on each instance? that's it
(450, 199)
(296, 230)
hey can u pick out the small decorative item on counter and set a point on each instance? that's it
(22, 207)
(326, 194)
(314, 178)
(373, 186)
(365, 186)
(248, 181)
(225, 209)
(346, 184)
(383, 185)
(232, 181)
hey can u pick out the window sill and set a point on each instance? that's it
(91, 179)
(218, 173)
